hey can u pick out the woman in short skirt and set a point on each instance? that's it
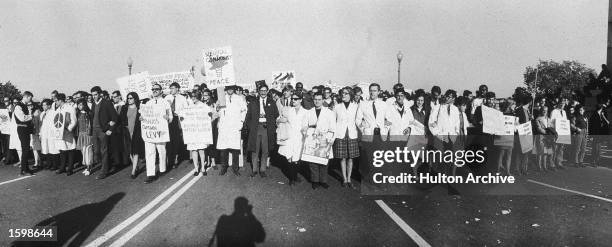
(346, 145)
(197, 149)
(211, 151)
(84, 135)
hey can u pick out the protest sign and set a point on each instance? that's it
(196, 124)
(153, 125)
(219, 67)
(5, 121)
(525, 137)
(184, 79)
(280, 79)
(59, 121)
(138, 83)
(506, 136)
(492, 120)
(317, 146)
(562, 126)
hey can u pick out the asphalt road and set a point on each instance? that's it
(110, 212)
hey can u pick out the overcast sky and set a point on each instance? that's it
(69, 45)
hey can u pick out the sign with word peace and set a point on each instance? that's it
(219, 67)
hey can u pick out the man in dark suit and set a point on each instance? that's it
(260, 123)
(103, 124)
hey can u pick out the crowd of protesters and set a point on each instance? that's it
(103, 131)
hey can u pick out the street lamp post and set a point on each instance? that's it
(399, 62)
(130, 62)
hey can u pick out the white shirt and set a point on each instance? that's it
(180, 102)
(262, 110)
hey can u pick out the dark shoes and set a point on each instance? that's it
(236, 171)
(101, 176)
(60, 171)
(26, 173)
(195, 173)
(253, 174)
(324, 185)
(263, 174)
(149, 180)
(223, 171)
(132, 176)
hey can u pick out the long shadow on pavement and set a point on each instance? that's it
(241, 228)
(75, 225)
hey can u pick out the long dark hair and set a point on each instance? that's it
(85, 107)
(136, 99)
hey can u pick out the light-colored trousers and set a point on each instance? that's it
(150, 151)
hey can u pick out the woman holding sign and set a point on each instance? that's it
(196, 148)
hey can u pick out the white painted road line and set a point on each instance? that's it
(146, 221)
(571, 191)
(15, 180)
(402, 224)
(112, 232)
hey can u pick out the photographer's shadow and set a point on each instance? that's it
(241, 228)
(74, 226)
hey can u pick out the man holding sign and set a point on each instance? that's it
(155, 115)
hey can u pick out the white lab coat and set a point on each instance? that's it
(292, 150)
(367, 122)
(46, 133)
(325, 123)
(345, 119)
(399, 122)
(231, 119)
(67, 142)
(447, 124)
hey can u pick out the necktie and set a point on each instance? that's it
(401, 111)
(448, 109)
(173, 105)
(374, 108)
(461, 123)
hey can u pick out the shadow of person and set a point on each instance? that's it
(75, 225)
(241, 228)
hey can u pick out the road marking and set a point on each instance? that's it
(112, 232)
(146, 221)
(402, 224)
(572, 191)
(15, 180)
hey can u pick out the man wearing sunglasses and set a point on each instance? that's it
(151, 148)
(103, 124)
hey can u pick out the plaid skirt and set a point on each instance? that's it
(346, 148)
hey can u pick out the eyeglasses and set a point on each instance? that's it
(130, 98)
(156, 89)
